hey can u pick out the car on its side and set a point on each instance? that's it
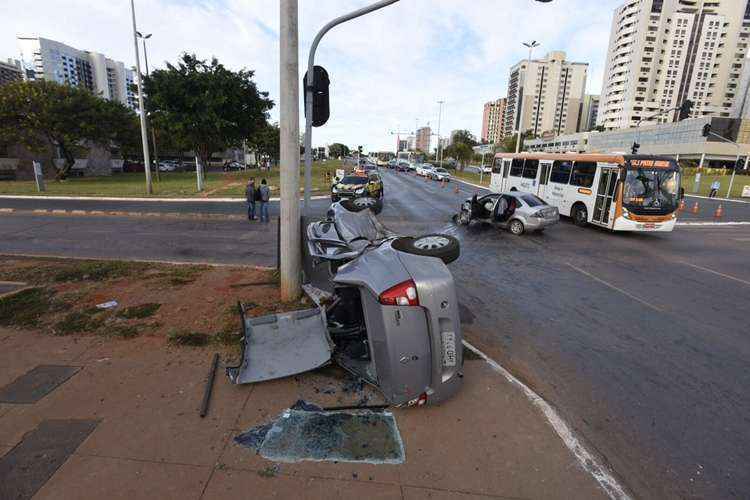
(440, 174)
(516, 211)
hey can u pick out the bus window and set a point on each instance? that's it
(497, 168)
(530, 169)
(516, 168)
(583, 174)
(561, 172)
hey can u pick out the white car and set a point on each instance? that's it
(440, 174)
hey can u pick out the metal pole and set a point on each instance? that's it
(309, 83)
(142, 108)
(290, 247)
(153, 129)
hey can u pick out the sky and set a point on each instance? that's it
(388, 69)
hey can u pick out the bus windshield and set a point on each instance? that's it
(651, 190)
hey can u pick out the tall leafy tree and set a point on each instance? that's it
(206, 105)
(46, 117)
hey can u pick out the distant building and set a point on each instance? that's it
(493, 129)
(545, 95)
(589, 112)
(10, 71)
(423, 139)
(46, 59)
(664, 52)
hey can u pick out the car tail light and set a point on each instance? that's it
(403, 294)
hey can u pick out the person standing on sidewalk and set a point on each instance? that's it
(251, 195)
(265, 197)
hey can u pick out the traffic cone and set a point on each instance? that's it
(695, 208)
(719, 212)
(681, 208)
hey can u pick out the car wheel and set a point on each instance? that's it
(516, 227)
(444, 247)
(580, 215)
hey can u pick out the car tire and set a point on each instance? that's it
(444, 247)
(580, 215)
(516, 227)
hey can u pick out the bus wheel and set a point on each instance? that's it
(580, 215)
(516, 227)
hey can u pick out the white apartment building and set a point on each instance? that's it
(493, 129)
(664, 52)
(46, 59)
(545, 95)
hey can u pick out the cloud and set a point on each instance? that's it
(388, 69)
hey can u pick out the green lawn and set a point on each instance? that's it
(688, 182)
(172, 184)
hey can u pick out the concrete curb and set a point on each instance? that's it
(122, 198)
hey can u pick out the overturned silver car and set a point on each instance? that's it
(388, 312)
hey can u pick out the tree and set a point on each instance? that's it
(206, 105)
(41, 114)
(338, 150)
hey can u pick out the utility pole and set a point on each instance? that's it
(290, 246)
(141, 106)
(438, 156)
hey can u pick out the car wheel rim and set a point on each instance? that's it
(364, 202)
(431, 242)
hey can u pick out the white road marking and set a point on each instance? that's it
(585, 458)
(718, 199)
(717, 273)
(613, 287)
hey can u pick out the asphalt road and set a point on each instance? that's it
(639, 340)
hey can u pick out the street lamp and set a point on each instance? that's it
(141, 107)
(153, 131)
(531, 46)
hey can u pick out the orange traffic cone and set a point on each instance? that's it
(719, 212)
(695, 208)
(681, 208)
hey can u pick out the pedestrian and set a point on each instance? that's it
(265, 197)
(250, 194)
(715, 186)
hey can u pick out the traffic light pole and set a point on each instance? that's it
(309, 88)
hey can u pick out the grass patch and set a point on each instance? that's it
(78, 322)
(139, 312)
(96, 271)
(187, 338)
(25, 308)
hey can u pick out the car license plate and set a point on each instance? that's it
(449, 349)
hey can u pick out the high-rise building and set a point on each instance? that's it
(545, 95)
(10, 71)
(589, 112)
(46, 59)
(664, 52)
(423, 139)
(493, 129)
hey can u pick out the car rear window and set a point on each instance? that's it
(354, 179)
(532, 200)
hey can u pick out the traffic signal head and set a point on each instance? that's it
(706, 130)
(321, 110)
(685, 109)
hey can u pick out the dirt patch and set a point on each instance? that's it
(182, 305)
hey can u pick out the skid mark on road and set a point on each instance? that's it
(717, 273)
(617, 289)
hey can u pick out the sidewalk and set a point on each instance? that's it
(148, 441)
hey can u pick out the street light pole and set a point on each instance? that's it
(290, 248)
(141, 107)
(310, 81)
(531, 46)
(153, 129)
(438, 156)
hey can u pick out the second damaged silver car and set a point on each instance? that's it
(388, 312)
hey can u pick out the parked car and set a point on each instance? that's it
(440, 174)
(388, 312)
(518, 212)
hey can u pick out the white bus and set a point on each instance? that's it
(618, 192)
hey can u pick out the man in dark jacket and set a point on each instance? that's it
(265, 197)
(250, 195)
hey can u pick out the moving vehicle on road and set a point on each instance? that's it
(614, 191)
(515, 211)
(440, 174)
